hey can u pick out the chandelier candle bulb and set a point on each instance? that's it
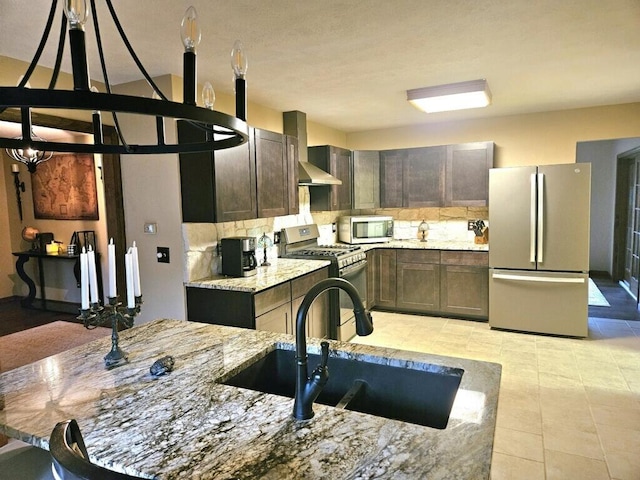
(15, 168)
(111, 255)
(84, 279)
(93, 279)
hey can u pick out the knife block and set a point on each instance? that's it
(482, 239)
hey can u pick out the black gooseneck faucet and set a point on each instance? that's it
(308, 388)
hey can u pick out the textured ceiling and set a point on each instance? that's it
(348, 63)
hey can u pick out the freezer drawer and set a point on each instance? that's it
(540, 302)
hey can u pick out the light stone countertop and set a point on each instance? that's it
(429, 245)
(186, 425)
(280, 271)
(284, 269)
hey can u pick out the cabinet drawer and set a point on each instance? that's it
(300, 286)
(456, 257)
(418, 256)
(272, 298)
(277, 320)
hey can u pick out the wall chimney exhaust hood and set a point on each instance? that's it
(295, 124)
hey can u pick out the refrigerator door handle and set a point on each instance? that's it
(537, 278)
(532, 224)
(540, 217)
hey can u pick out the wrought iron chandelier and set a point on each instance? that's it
(220, 131)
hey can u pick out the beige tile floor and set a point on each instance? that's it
(568, 408)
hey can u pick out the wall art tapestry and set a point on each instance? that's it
(64, 188)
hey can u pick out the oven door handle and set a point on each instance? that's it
(353, 268)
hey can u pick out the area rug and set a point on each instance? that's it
(596, 298)
(40, 342)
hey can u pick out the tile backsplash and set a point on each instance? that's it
(200, 240)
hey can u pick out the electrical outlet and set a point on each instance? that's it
(276, 238)
(471, 224)
(163, 254)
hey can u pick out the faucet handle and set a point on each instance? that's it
(325, 354)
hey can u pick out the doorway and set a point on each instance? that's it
(626, 246)
(111, 177)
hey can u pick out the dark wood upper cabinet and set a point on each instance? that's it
(257, 179)
(337, 162)
(391, 177)
(412, 177)
(366, 179)
(467, 174)
(423, 184)
(272, 169)
(449, 176)
(216, 186)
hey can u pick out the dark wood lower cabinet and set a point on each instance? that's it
(464, 290)
(385, 271)
(418, 287)
(436, 282)
(273, 309)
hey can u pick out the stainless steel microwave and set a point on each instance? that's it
(370, 229)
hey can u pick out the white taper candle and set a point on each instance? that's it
(128, 267)
(111, 250)
(84, 280)
(136, 271)
(93, 278)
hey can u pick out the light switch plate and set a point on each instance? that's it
(151, 228)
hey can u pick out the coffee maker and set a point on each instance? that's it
(239, 256)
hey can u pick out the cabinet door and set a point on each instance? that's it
(418, 287)
(341, 168)
(372, 279)
(464, 290)
(291, 144)
(196, 178)
(467, 174)
(272, 167)
(276, 320)
(337, 162)
(366, 179)
(391, 178)
(220, 307)
(423, 177)
(385, 266)
(235, 183)
(317, 316)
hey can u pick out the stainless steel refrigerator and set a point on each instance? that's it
(539, 248)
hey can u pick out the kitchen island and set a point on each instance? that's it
(188, 425)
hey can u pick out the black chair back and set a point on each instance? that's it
(70, 457)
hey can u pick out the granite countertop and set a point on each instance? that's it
(430, 245)
(284, 269)
(188, 425)
(280, 271)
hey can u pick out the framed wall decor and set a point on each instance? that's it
(64, 188)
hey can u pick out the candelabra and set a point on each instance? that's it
(119, 315)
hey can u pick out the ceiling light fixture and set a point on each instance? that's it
(230, 131)
(452, 96)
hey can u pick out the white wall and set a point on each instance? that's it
(603, 158)
(151, 191)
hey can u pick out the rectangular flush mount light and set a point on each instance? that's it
(452, 96)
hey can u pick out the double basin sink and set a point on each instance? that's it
(421, 396)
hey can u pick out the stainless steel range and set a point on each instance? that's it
(347, 261)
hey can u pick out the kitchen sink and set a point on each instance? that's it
(405, 394)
